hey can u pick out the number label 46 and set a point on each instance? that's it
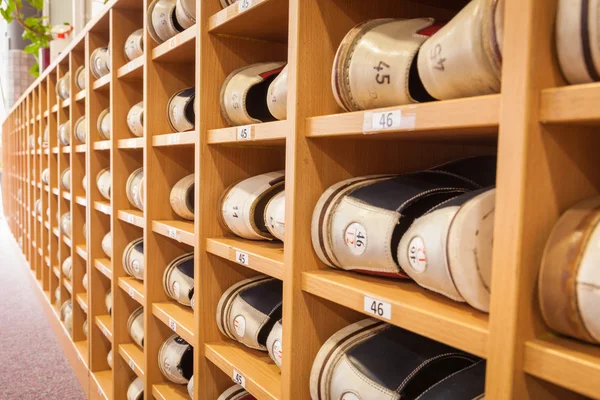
(378, 308)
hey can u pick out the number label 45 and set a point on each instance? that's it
(239, 378)
(378, 308)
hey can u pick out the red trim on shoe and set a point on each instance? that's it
(395, 275)
(430, 30)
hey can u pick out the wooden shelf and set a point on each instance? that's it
(47, 225)
(82, 301)
(55, 150)
(131, 143)
(412, 307)
(80, 148)
(104, 322)
(102, 145)
(66, 195)
(66, 149)
(67, 241)
(263, 378)
(570, 105)
(134, 217)
(102, 84)
(47, 260)
(103, 206)
(82, 352)
(81, 250)
(264, 257)
(47, 188)
(133, 70)
(81, 200)
(264, 19)
(46, 113)
(56, 232)
(68, 285)
(177, 317)
(133, 287)
(565, 362)
(475, 117)
(56, 271)
(104, 266)
(170, 391)
(56, 191)
(180, 48)
(79, 96)
(134, 357)
(268, 133)
(181, 231)
(175, 139)
(66, 103)
(104, 382)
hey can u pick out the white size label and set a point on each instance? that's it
(244, 132)
(105, 331)
(131, 292)
(239, 378)
(131, 364)
(78, 357)
(130, 218)
(100, 393)
(378, 308)
(173, 42)
(105, 271)
(130, 67)
(385, 120)
(173, 139)
(243, 5)
(241, 257)
(172, 233)
(173, 325)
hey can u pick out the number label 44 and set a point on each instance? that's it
(378, 308)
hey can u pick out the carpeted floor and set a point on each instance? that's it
(32, 364)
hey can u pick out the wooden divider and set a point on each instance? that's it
(546, 162)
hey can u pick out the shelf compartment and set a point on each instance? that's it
(177, 317)
(268, 133)
(80, 148)
(66, 103)
(170, 391)
(263, 378)
(68, 285)
(47, 225)
(134, 217)
(47, 260)
(67, 241)
(82, 201)
(131, 143)
(565, 362)
(104, 322)
(180, 47)
(46, 113)
(81, 348)
(475, 117)
(82, 251)
(133, 70)
(263, 19)
(181, 231)
(265, 257)
(104, 382)
(66, 149)
(56, 232)
(104, 266)
(56, 191)
(102, 145)
(102, 84)
(134, 357)
(55, 150)
(133, 287)
(103, 206)
(82, 300)
(40, 252)
(570, 104)
(412, 307)
(175, 139)
(56, 271)
(79, 96)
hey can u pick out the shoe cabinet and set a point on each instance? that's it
(541, 129)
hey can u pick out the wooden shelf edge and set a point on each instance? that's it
(412, 307)
(134, 356)
(565, 362)
(177, 317)
(273, 133)
(263, 378)
(180, 231)
(133, 287)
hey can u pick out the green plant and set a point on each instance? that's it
(36, 30)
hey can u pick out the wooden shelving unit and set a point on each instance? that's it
(543, 132)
